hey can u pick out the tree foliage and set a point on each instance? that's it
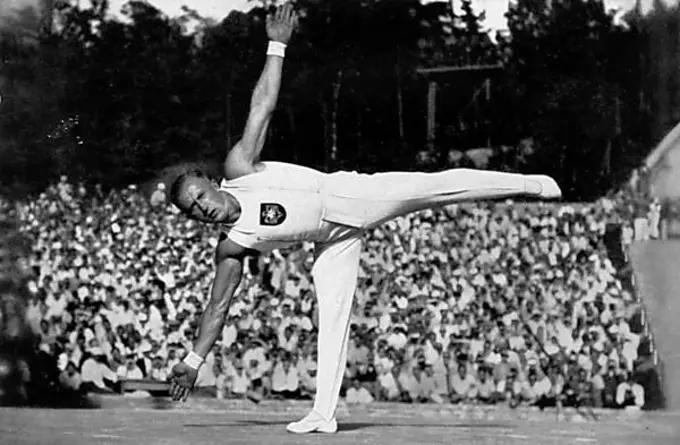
(114, 101)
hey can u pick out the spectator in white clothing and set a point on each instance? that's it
(238, 381)
(463, 385)
(285, 381)
(429, 390)
(388, 386)
(358, 394)
(221, 380)
(206, 374)
(158, 195)
(630, 393)
(129, 370)
(70, 377)
(486, 389)
(288, 338)
(158, 372)
(95, 374)
(307, 375)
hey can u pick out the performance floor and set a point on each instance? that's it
(148, 426)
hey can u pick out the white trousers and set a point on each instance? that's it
(363, 201)
(355, 202)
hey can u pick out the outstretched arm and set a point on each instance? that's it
(229, 259)
(244, 156)
(227, 279)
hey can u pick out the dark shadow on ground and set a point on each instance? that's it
(348, 426)
(237, 423)
(54, 399)
(351, 426)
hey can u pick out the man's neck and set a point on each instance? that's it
(234, 208)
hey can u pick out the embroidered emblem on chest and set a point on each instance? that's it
(271, 214)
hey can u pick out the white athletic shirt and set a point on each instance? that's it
(280, 206)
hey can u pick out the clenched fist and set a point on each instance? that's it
(182, 379)
(282, 23)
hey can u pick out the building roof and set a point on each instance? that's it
(671, 140)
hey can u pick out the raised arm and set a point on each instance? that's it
(229, 259)
(244, 156)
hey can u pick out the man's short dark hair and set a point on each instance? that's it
(180, 181)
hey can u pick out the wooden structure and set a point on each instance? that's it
(662, 167)
(434, 75)
(152, 386)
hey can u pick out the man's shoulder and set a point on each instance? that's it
(237, 164)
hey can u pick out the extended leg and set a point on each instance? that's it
(367, 200)
(335, 279)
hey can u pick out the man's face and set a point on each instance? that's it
(532, 378)
(201, 201)
(71, 369)
(462, 371)
(217, 368)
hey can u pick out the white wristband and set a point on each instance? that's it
(193, 360)
(276, 49)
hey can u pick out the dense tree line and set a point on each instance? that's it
(116, 101)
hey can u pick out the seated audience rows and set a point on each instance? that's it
(480, 303)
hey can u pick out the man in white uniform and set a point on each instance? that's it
(268, 205)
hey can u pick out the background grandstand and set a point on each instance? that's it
(481, 303)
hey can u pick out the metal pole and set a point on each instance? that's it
(431, 113)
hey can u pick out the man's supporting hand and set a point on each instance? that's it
(229, 259)
(182, 379)
(282, 23)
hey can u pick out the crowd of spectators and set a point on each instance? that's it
(478, 303)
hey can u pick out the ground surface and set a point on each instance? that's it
(149, 426)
